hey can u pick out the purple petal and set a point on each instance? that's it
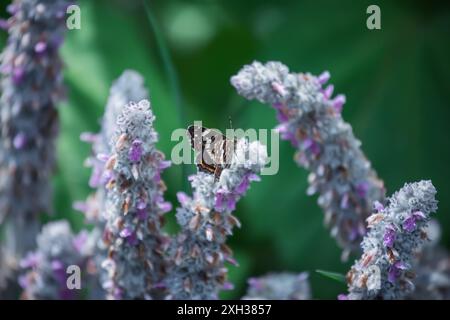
(328, 91)
(88, 137)
(164, 164)
(410, 223)
(40, 47)
(132, 239)
(389, 237)
(4, 25)
(142, 214)
(342, 297)
(141, 204)
(255, 283)
(344, 201)
(57, 265)
(81, 206)
(393, 274)
(219, 201)
(362, 188)
(183, 198)
(324, 77)
(419, 215)
(103, 157)
(243, 186)
(20, 141)
(338, 102)
(18, 75)
(228, 286)
(165, 206)
(125, 232)
(31, 260)
(80, 240)
(135, 152)
(231, 203)
(378, 206)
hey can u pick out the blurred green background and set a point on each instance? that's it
(396, 81)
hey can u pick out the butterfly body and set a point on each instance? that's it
(214, 150)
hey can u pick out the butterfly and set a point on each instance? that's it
(214, 150)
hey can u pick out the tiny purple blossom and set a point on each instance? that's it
(20, 141)
(328, 91)
(339, 102)
(18, 75)
(183, 198)
(31, 260)
(165, 207)
(389, 237)
(378, 206)
(410, 223)
(395, 271)
(324, 77)
(362, 189)
(136, 151)
(126, 232)
(88, 137)
(40, 47)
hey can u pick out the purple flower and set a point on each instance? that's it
(342, 297)
(324, 77)
(136, 151)
(88, 137)
(410, 223)
(378, 206)
(328, 91)
(183, 198)
(362, 189)
(126, 232)
(165, 206)
(338, 102)
(395, 271)
(228, 286)
(40, 47)
(389, 237)
(80, 240)
(30, 261)
(141, 204)
(142, 214)
(20, 141)
(164, 164)
(4, 25)
(18, 75)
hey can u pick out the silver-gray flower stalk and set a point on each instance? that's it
(44, 271)
(396, 232)
(311, 120)
(135, 207)
(199, 252)
(31, 87)
(128, 87)
(279, 286)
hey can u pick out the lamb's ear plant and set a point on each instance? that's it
(128, 87)
(135, 207)
(59, 251)
(279, 286)
(31, 87)
(396, 231)
(198, 254)
(310, 118)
